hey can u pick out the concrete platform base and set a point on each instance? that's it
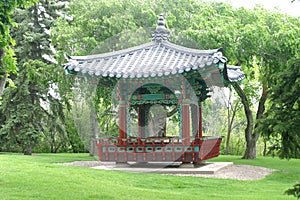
(166, 168)
(186, 165)
(122, 165)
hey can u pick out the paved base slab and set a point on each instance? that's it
(166, 168)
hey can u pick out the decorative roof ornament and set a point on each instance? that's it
(160, 33)
(234, 73)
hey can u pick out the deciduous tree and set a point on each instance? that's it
(7, 59)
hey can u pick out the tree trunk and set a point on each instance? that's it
(251, 135)
(250, 152)
(265, 148)
(229, 128)
(2, 82)
(3, 74)
(228, 131)
(28, 150)
(251, 138)
(94, 133)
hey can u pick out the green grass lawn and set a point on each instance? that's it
(40, 177)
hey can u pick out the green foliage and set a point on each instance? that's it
(237, 144)
(295, 191)
(34, 110)
(18, 126)
(283, 118)
(75, 144)
(262, 42)
(7, 59)
(23, 109)
(259, 40)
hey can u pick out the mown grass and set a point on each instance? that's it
(40, 177)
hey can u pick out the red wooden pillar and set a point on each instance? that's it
(195, 120)
(200, 121)
(185, 113)
(141, 121)
(122, 120)
(186, 122)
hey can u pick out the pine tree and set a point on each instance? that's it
(282, 120)
(31, 111)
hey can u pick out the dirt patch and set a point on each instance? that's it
(83, 163)
(238, 172)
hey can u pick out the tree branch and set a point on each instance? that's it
(244, 99)
(172, 112)
(262, 101)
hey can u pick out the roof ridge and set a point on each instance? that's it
(189, 50)
(115, 53)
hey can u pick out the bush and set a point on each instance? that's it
(294, 191)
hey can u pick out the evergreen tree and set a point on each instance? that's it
(282, 120)
(33, 110)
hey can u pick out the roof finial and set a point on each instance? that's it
(161, 21)
(160, 33)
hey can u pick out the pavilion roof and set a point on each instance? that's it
(154, 59)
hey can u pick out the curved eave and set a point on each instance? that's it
(234, 73)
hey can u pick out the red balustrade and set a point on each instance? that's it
(167, 149)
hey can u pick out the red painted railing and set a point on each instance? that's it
(168, 149)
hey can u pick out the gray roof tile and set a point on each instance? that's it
(234, 73)
(154, 58)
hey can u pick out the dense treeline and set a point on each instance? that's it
(37, 113)
(34, 112)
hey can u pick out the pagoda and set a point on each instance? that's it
(149, 79)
